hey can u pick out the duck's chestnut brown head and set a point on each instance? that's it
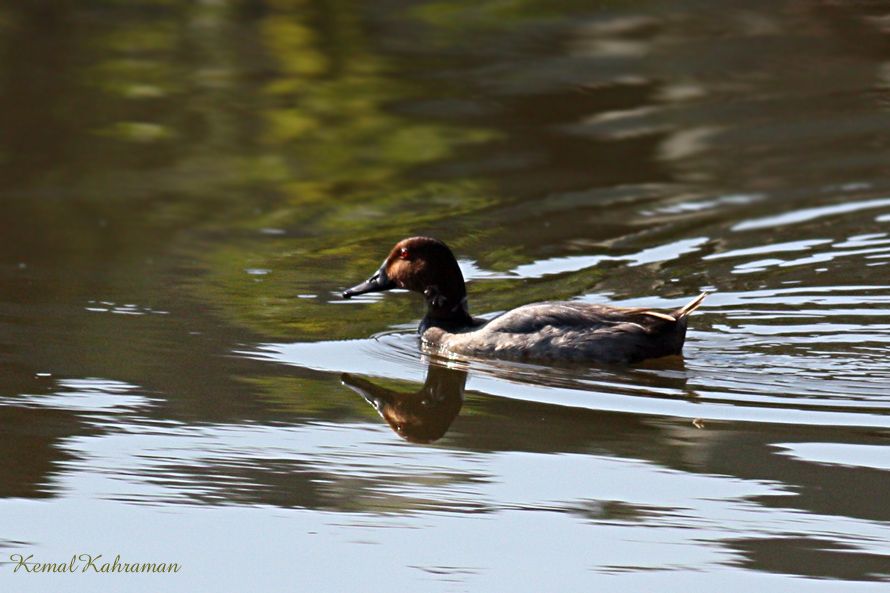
(424, 265)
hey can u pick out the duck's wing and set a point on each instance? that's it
(566, 330)
(580, 316)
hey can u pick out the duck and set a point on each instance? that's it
(545, 331)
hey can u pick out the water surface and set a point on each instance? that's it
(187, 187)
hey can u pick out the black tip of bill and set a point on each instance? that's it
(376, 283)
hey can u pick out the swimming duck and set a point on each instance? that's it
(552, 330)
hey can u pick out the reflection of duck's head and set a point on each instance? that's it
(567, 330)
(422, 416)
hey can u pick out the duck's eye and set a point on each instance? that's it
(404, 253)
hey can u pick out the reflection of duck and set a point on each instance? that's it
(551, 330)
(419, 417)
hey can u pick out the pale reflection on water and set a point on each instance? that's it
(187, 187)
(353, 486)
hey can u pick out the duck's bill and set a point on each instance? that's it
(375, 395)
(376, 283)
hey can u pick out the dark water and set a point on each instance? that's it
(186, 186)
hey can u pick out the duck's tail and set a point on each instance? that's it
(687, 309)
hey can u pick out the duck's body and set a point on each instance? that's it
(568, 331)
(553, 330)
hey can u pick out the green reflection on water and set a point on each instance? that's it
(315, 398)
(339, 162)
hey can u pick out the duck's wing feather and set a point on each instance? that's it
(570, 331)
(579, 316)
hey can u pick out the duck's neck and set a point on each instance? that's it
(446, 309)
